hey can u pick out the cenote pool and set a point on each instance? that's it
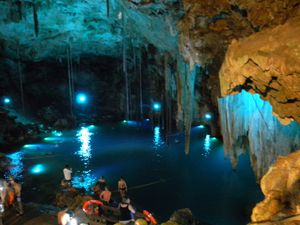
(161, 178)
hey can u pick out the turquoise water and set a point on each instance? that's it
(161, 178)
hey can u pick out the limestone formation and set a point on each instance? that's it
(281, 188)
(209, 26)
(267, 63)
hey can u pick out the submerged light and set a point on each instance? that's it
(201, 126)
(81, 98)
(156, 106)
(208, 116)
(56, 133)
(37, 169)
(6, 100)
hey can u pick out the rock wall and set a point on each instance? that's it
(209, 26)
(267, 63)
(282, 194)
(248, 123)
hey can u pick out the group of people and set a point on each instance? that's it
(10, 195)
(102, 191)
(126, 209)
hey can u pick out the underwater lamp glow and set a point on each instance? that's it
(156, 106)
(37, 169)
(81, 98)
(208, 116)
(6, 100)
(201, 126)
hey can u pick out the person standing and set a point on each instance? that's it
(102, 183)
(126, 211)
(122, 187)
(67, 171)
(16, 188)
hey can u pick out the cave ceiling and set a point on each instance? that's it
(35, 30)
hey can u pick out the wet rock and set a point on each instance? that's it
(61, 124)
(183, 217)
(71, 198)
(281, 187)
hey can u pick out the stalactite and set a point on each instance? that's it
(168, 106)
(247, 122)
(35, 19)
(70, 81)
(140, 84)
(134, 76)
(71, 71)
(20, 79)
(125, 67)
(185, 97)
(107, 8)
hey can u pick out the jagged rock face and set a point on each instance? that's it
(280, 186)
(209, 26)
(267, 63)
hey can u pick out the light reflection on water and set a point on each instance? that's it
(207, 144)
(17, 166)
(84, 178)
(157, 139)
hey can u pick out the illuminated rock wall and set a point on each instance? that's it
(280, 186)
(248, 122)
(267, 63)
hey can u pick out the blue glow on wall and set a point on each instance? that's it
(17, 166)
(246, 115)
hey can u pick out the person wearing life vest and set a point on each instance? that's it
(126, 211)
(105, 195)
(122, 187)
(16, 189)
